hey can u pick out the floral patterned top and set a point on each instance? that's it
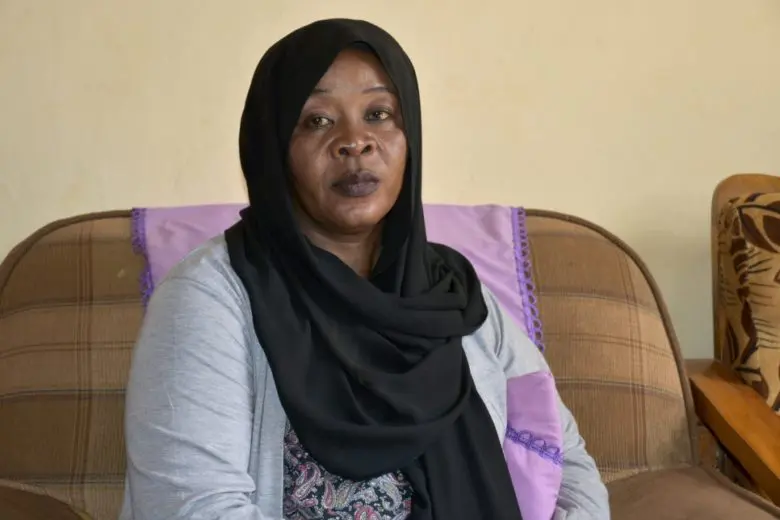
(310, 492)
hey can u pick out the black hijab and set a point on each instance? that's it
(371, 372)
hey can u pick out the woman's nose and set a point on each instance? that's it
(354, 143)
(355, 148)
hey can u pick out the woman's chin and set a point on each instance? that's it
(361, 218)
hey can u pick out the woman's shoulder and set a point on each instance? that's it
(208, 260)
(204, 276)
(501, 341)
(207, 267)
(198, 312)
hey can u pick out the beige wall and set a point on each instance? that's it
(626, 112)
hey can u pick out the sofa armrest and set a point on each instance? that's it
(741, 421)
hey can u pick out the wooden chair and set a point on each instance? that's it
(745, 427)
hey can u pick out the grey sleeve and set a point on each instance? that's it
(190, 408)
(583, 495)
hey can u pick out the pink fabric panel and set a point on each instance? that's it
(490, 236)
(533, 444)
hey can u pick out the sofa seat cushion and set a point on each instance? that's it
(691, 493)
(20, 504)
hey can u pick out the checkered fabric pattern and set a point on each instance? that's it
(70, 308)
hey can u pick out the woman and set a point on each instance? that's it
(322, 359)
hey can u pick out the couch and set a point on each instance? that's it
(70, 308)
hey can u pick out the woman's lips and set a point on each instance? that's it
(357, 184)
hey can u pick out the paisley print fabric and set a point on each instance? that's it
(310, 492)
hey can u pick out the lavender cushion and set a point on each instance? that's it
(492, 237)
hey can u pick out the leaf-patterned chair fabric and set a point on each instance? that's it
(749, 286)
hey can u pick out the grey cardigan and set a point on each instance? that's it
(204, 424)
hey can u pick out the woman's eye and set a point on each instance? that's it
(378, 115)
(319, 122)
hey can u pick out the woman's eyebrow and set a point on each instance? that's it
(379, 88)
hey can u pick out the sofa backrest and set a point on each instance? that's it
(70, 309)
(611, 346)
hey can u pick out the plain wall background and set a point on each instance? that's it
(625, 112)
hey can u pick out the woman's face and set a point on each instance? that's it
(348, 150)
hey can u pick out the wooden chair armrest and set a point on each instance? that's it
(741, 421)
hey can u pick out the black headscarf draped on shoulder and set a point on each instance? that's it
(371, 372)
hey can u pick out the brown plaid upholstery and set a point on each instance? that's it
(610, 347)
(69, 312)
(70, 309)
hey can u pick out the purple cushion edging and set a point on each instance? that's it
(525, 280)
(138, 239)
(523, 266)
